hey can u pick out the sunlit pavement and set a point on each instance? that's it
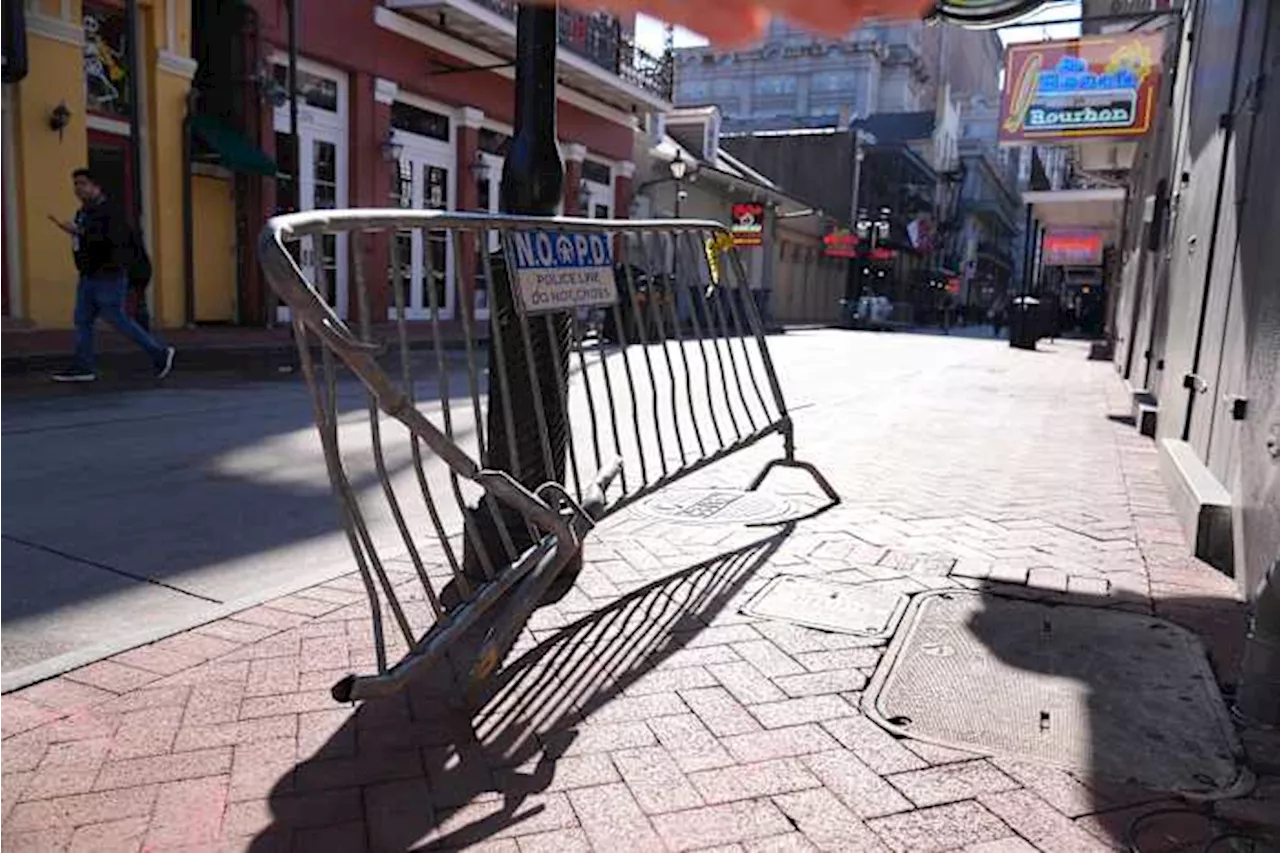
(647, 713)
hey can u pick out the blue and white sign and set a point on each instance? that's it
(562, 272)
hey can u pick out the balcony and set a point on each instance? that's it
(598, 58)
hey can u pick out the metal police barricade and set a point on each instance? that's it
(666, 370)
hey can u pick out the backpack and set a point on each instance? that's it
(137, 264)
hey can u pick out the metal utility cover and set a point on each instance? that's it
(870, 609)
(1102, 693)
(715, 506)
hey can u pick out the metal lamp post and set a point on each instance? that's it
(532, 184)
(679, 168)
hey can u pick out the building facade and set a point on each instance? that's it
(85, 101)
(796, 80)
(399, 103)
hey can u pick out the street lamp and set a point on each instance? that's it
(679, 168)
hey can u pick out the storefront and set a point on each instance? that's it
(78, 107)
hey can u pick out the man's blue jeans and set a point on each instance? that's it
(104, 296)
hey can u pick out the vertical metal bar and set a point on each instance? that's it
(771, 374)
(499, 360)
(415, 445)
(375, 431)
(620, 327)
(603, 353)
(586, 384)
(697, 304)
(673, 305)
(734, 295)
(328, 441)
(562, 380)
(755, 325)
(442, 378)
(658, 316)
(715, 296)
(349, 495)
(468, 331)
(648, 361)
(473, 386)
(549, 471)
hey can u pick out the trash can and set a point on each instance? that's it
(1022, 325)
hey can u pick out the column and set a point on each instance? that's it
(623, 177)
(371, 174)
(574, 203)
(44, 158)
(469, 121)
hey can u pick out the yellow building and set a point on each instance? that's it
(72, 109)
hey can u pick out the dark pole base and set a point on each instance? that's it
(532, 184)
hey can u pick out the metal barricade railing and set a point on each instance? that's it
(638, 357)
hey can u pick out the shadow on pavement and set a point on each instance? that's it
(1104, 806)
(465, 777)
(162, 503)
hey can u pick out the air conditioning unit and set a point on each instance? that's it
(656, 128)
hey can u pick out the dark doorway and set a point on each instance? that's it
(110, 161)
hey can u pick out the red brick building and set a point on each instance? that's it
(408, 103)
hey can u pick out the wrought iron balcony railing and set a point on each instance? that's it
(599, 37)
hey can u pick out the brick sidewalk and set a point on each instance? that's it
(645, 711)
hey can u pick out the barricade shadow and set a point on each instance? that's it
(434, 774)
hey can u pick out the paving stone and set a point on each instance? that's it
(655, 780)
(490, 819)
(720, 711)
(188, 813)
(750, 781)
(767, 658)
(827, 824)
(1056, 787)
(613, 820)
(778, 743)
(1039, 823)
(856, 785)
(746, 683)
(856, 658)
(123, 835)
(876, 748)
(81, 809)
(793, 712)
(164, 768)
(690, 744)
(717, 825)
(558, 841)
(939, 828)
(818, 683)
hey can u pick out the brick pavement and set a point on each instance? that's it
(644, 711)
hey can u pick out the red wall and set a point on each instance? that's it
(344, 35)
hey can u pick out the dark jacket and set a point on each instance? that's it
(101, 246)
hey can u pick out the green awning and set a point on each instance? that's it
(230, 148)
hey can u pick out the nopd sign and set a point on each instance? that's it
(561, 272)
(1095, 87)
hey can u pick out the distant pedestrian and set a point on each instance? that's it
(995, 315)
(103, 245)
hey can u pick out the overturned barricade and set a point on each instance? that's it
(571, 367)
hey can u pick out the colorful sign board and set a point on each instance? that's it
(841, 243)
(1072, 249)
(748, 224)
(562, 272)
(1097, 87)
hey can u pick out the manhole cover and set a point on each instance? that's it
(870, 609)
(715, 506)
(1098, 692)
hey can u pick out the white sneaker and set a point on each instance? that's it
(164, 369)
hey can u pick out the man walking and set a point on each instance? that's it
(100, 240)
